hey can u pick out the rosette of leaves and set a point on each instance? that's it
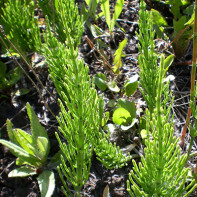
(32, 152)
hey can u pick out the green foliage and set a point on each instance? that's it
(91, 12)
(181, 11)
(125, 114)
(131, 85)
(8, 79)
(149, 70)
(21, 26)
(106, 11)
(64, 19)
(109, 154)
(148, 58)
(46, 182)
(121, 116)
(161, 171)
(101, 82)
(118, 55)
(180, 44)
(80, 117)
(32, 152)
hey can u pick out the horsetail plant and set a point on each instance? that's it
(64, 19)
(20, 25)
(147, 58)
(80, 117)
(161, 171)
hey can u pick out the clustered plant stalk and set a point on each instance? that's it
(147, 59)
(161, 171)
(81, 113)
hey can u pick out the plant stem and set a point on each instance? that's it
(193, 74)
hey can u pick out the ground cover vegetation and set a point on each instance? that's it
(94, 111)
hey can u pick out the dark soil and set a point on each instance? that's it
(13, 108)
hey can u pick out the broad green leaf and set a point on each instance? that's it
(168, 61)
(117, 11)
(106, 11)
(113, 87)
(100, 81)
(179, 25)
(129, 106)
(22, 172)
(21, 153)
(133, 122)
(158, 18)
(37, 129)
(46, 181)
(131, 85)
(88, 2)
(180, 44)
(25, 140)
(121, 116)
(10, 131)
(20, 162)
(118, 54)
(42, 148)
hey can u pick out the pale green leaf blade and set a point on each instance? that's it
(21, 153)
(100, 81)
(113, 87)
(36, 128)
(121, 116)
(25, 140)
(117, 12)
(10, 131)
(131, 85)
(158, 18)
(168, 61)
(46, 181)
(22, 172)
(129, 106)
(42, 148)
(106, 11)
(118, 55)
